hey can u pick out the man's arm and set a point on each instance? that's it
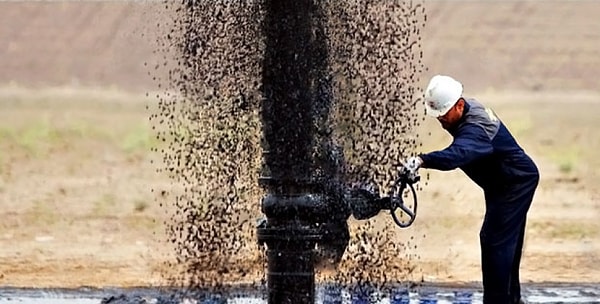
(470, 144)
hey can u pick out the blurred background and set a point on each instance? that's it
(77, 78)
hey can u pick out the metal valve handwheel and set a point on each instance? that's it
(397, 207)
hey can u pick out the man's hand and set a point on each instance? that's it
(408, 172)
(412, 164)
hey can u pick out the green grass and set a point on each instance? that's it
(29, 138)
(520, 125)
(566, 158)
(42, 214)
(104, 204)
(39, 138)
(37, 123)
(137, 222)
(137, 139)
(565, 229)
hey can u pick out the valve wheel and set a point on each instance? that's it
(399, 209)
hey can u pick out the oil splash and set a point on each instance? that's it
(208, 120)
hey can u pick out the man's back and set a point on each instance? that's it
(485, 150)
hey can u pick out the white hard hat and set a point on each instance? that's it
(441, 95)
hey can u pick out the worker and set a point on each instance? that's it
(484, 149)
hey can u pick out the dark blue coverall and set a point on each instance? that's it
(488, 154)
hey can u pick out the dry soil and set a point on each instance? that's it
(75, 172)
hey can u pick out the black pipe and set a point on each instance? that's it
(303, 207)
(288, 64)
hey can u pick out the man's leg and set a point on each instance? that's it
(496, 265)
(515, 283)
(501, 240)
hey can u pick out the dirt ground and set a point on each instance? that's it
(77, 208)
(75, 172)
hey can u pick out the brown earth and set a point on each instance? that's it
(489, 45)
(75, 172)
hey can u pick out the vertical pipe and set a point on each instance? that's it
(287, 100)
(288, 132)
(303, 205)
(291, 274)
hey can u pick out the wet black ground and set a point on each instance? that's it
(533, 293)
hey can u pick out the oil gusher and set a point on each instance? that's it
(305, 206)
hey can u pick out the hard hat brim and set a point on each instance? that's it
(437, 113)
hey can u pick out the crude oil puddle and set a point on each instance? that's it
(558, 293)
